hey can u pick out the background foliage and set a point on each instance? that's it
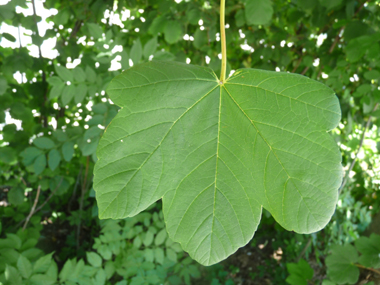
(53, 110)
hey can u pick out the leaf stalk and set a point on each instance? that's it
(223, 41)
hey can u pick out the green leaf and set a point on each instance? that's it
(137, 242)
(258, 12)
(299, 272)
(44, 143)
(64, 73)
(12, 276)
(24, 267)
(163, 55)
(160, 237)
(218, 153)
(159, 255)
(60, 135)
(8, 155)
(3, 85)
(39, 164)
(16, 196)
(158, 25)
(68, 94)
(92, 133)
(79, 74)
(67, 270)
(373, 74)
(54, 158)
(148, 238)
(173, 32)
(90, 148)
(100, 108)
(90, 74)
(370, 250)
(56, 91)
(9, 37)
(95, 30)
(150, 47)
(68, 150)
(43, 263)
(200, 38)
(94, 259)
(54, 81)
(136, 52)
(330, 4)
(100, 277)
(340, 264)
(240, 18)
(16, 241)
(80, 93)
(42, 279)
(171, 254)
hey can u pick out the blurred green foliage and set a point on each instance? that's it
(61, 108)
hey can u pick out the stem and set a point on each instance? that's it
(223, 41)
(33, 207)
(368, 268)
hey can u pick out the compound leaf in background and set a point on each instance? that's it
(24, 266)
(54, 159)
(68, 150)
(258, 12)
(80, 94)
(136, 52)
(150, 47)
(90, 74)
(44, 143)
(39, 164)
(370, 250)
(95, 30)
(79, 74)
(299, 272)
(217, 153)
(340, 264)
(173, 32)
(94, 259)
(67, 94)
(64, 73)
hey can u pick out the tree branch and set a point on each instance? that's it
(50, 196)
(367, 268)
(33, 207)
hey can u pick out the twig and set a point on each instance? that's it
(50, 196)
(305, 70)
(19, 36)
(297, 65)
(23, 181)
(357, 152)
(40, 207)
(336, 40)
(83, 192)
(304, 250)
(368, 268)
(33, 207)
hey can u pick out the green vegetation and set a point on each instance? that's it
(57, 60)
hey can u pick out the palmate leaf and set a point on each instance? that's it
(217, 153)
